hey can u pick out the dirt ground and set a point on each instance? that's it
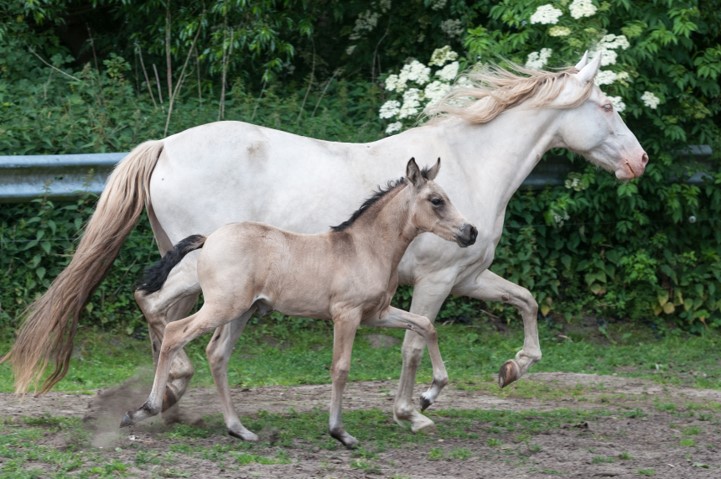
(648, 430)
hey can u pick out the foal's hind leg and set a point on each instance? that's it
(397, 318)
(218, 351)
(174, 300)
(177, 335)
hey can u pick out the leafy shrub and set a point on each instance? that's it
(636, 250)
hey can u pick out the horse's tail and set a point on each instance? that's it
(155, 276)
(49, 326)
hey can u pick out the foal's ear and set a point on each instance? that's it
(433, 172)
(413, 173)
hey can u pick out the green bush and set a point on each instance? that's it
(647, 250)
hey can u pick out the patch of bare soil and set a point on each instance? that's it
(647, 430)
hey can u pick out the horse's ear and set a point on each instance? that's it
(583, 62)
(413, 173)
(588, 72)
(433, 172)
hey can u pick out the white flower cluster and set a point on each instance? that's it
(582, 8)
(452, 28)
(607, 48)
(650, 100)
(366, 22)
(617, 103)
(558, 31)
(546, 15)
(537, 60)
(441, 56)
(439, 4)
(607, 77)
(417, 89)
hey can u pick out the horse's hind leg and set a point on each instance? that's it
(219, 351)
(428, 296)
(171, 304)
(175, 299)
(488, 286)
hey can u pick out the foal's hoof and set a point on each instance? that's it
(127, 420)
(508, 373)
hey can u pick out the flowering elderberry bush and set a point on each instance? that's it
(639, 250)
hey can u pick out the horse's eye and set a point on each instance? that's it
(608, 107)
(435, 201)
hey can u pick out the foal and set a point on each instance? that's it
(347, 275)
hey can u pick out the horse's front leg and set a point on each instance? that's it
(428, 296)
(344, 330)
(488, 286)
(397, 318)
(173, 301)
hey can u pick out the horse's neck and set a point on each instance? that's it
(502, 153)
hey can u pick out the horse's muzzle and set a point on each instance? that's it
(467, 235)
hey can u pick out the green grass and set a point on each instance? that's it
(294, 351)
(54, 447)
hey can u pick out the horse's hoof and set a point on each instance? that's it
(344, 438)
(508, 373)
(127, 420)
(244, 435)
(425, 402)
(423, 425)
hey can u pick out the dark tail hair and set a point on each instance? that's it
(155, 276)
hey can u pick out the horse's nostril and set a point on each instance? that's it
(644, 158)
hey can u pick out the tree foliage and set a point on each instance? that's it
(104, 75)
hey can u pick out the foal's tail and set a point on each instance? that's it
(155, 276)
(49, 326)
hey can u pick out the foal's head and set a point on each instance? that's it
(432, 211)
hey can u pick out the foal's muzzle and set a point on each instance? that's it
(467, 235)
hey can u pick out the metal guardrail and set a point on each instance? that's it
(23, 178)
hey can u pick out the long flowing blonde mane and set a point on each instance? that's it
(491, 90)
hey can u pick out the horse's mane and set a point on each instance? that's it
(492, 89)
(392, 185)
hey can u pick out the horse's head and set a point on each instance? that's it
(594, 128)
(432, 211)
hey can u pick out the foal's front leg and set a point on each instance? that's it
(344, 329)
(397, 318)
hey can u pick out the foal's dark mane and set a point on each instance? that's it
(391, 186)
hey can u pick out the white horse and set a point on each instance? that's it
(199, 179)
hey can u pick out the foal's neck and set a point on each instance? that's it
(386, 230)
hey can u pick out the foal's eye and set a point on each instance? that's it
(436, 201)
(607, 107)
